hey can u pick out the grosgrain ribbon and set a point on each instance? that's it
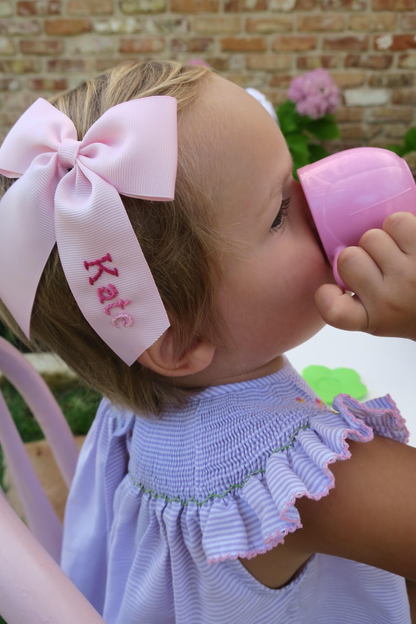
(130, 150)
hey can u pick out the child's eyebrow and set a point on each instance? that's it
(276, 190)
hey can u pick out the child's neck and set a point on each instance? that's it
(214, 376)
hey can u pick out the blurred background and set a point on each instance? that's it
(368, 46)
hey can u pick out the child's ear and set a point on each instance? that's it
(159, 357)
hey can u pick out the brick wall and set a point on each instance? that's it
(368, 46)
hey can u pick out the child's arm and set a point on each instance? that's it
(370, 514)
(381, 272)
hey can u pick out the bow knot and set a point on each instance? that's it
(68, 152)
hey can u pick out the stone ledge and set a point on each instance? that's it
(48, 365)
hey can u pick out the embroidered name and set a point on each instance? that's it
(101, 267)
(109, 292)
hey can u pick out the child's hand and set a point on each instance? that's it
(381, 272)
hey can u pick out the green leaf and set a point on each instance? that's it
(410, 140)
(400, 150)
(299, 160)
(316, 152)
(324, 128)
(289, 119)
(297, 143)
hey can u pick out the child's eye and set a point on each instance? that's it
(281, 217)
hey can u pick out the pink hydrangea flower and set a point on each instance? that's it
(315, 93)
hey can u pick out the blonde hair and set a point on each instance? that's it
(178, 239)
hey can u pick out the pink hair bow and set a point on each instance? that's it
(68, 193)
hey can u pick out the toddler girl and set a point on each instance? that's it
(194, 499)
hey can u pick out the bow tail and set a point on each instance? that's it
(27, 237)
(105, 266)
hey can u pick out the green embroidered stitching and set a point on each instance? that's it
(200, 503)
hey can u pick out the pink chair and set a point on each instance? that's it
(33, 588)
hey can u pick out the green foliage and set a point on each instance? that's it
(302, 132)
(6, 333)
(409, 144)
(78, 403)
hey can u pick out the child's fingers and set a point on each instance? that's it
(359, 272)
(401, 226)
(340, 309)
(380, 246)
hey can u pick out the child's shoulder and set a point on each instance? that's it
(369, 516)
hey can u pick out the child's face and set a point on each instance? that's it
(267, 297)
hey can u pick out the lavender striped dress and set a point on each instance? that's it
(160, 509)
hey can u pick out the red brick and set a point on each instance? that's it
(281, 81)
(101, 64)
(130, 7)
(352, 131)
(90, 7)
(142, 45)
(313, 61)
(237, 6)
(392, 81)
(408, 22)
(269, 24)
(295, 43)
(383, 61)
(194, 6)
(393, 5)
(194, 44)
(245, 80)
(343, 5)
(373, 21)
(348, 113)
(403, 42)
(243, 44)
(349, 80)
(269, 62)
(305, 5)
(404, 97)
(382, 113)
(64, 27)
(220, 63)
(39, 46)
(311, 23)
(217, 25)
(48, 84)
(68, 65)
(278, 97)
(395, 130)
(346, 43)
(52, 7)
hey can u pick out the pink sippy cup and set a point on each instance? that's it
(354, 191)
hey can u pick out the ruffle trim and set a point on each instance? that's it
(257, 517)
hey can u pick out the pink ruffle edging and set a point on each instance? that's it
(285, 478)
